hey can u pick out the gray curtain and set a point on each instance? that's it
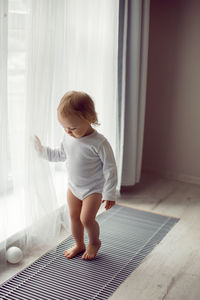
(132, 75)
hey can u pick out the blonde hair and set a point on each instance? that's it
(80, 104)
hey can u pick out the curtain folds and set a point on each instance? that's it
(42, 217)
(3, 97)
(54, 46)
(132, 87)
(4, 160)
(121, 100)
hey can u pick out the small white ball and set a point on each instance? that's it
(14, 255)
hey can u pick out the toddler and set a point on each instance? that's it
(92, 172)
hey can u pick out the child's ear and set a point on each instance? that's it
(90, 119)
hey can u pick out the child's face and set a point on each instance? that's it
(75, 126)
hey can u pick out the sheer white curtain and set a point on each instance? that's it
(43, 218)
(59, 46)
(3, 97)
(91, 44)
(4, 165)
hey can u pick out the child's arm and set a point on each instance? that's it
(48, 153)
(110, 174)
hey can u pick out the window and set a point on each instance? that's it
(81, 39)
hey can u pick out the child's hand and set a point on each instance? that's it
(38, 145)
(109, 204)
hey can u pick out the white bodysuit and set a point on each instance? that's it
(90, 164)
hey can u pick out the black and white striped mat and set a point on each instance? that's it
(127, 236)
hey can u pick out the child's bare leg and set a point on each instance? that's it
(89, 210)
(77, 229)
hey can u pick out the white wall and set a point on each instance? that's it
(172, 125)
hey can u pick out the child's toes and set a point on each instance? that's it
(91, 251)
(67, 254)
(72, 252)
(85, 255)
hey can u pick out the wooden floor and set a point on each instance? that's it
(172, 270)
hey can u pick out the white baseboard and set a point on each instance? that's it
(173, 176)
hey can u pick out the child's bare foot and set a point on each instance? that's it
(72, 252)
(91, 251)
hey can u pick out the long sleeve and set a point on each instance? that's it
(54, 154)
(109, 170)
